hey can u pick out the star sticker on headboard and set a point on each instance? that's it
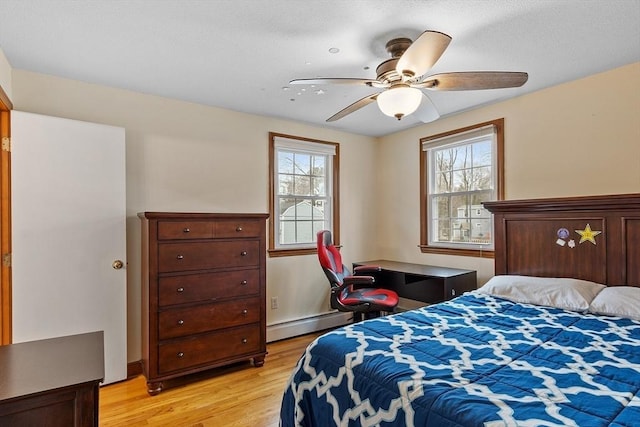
(587, 234)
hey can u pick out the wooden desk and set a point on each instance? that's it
(52, 382)
(425, 283)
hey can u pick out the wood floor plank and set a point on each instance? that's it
(236, 396)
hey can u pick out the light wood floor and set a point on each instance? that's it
(236, 396)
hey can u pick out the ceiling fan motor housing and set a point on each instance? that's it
(386, 71)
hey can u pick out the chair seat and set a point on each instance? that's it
(380, 299)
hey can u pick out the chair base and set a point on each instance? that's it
(360, 316)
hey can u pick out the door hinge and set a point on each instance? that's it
(6, 143)
(6, 260)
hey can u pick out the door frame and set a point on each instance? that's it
(5, 219)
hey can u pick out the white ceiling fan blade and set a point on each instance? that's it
(353, 107)
(422, 54)
(338, 81)
(426, 112)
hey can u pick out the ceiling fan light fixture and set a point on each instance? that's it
(399, 101)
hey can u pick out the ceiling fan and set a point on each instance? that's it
(401, 78)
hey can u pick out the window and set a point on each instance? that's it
(303, 189)
(459, 171)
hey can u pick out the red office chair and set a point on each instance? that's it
(345, 293)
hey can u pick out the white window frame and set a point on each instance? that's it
(304, 146)
(491, 131)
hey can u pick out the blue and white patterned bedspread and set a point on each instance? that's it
(473, 361)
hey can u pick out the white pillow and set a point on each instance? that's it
(565, 293)
(620, 301)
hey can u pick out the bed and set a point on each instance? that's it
(544, 343)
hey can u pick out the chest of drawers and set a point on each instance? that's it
(203, 292)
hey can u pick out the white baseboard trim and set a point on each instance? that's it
(307, 325)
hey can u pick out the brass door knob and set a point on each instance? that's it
(117, 264)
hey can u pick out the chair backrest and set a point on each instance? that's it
(330, 258)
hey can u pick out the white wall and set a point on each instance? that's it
(578, 138)
(5, 75)
(188, 157)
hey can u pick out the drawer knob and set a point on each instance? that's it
(238, 229)
(180, 257)
(186, 230)
(243, 253)
(244, 282)
(180, 322)
(180, 290)
(180, 354)
(245, 312)
(244, 340)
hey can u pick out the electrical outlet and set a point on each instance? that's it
(274, 303)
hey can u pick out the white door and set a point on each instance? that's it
(68, 228)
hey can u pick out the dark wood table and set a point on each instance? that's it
(52, 382)
(425, 283)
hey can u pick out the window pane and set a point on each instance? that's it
(317, 186)
(443, 160)
(285, 162)
(287, 232)
(285, 184)
(443, 230)
(476, 204)
(460, 230)
(482, 179)
(461, 157)
(302, 185)
(462, 180)
(306, 213)
(302, 163)
(443, 182)
(441, 207)
(319, 166)
(460, 206)
(287, 214)
(482, 153)
(460, 212)
(321, 210)
(304, 233)
(286, 209)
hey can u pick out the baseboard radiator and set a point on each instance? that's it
(307, 325)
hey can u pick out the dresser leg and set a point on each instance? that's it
(154, 388)
(258, 361)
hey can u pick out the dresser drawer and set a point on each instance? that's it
(208, 349)
(238, 228)
(205, 255)
(207, 286)
(174, 230)
(178, 322)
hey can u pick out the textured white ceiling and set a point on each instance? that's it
(239, 54)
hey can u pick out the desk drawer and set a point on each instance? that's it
(208, 286)
(179, 322)
(203, 350)
(206, 255)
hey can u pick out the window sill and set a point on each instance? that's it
(274, 253)
(478, 253)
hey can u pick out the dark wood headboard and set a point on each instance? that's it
(542, 237)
